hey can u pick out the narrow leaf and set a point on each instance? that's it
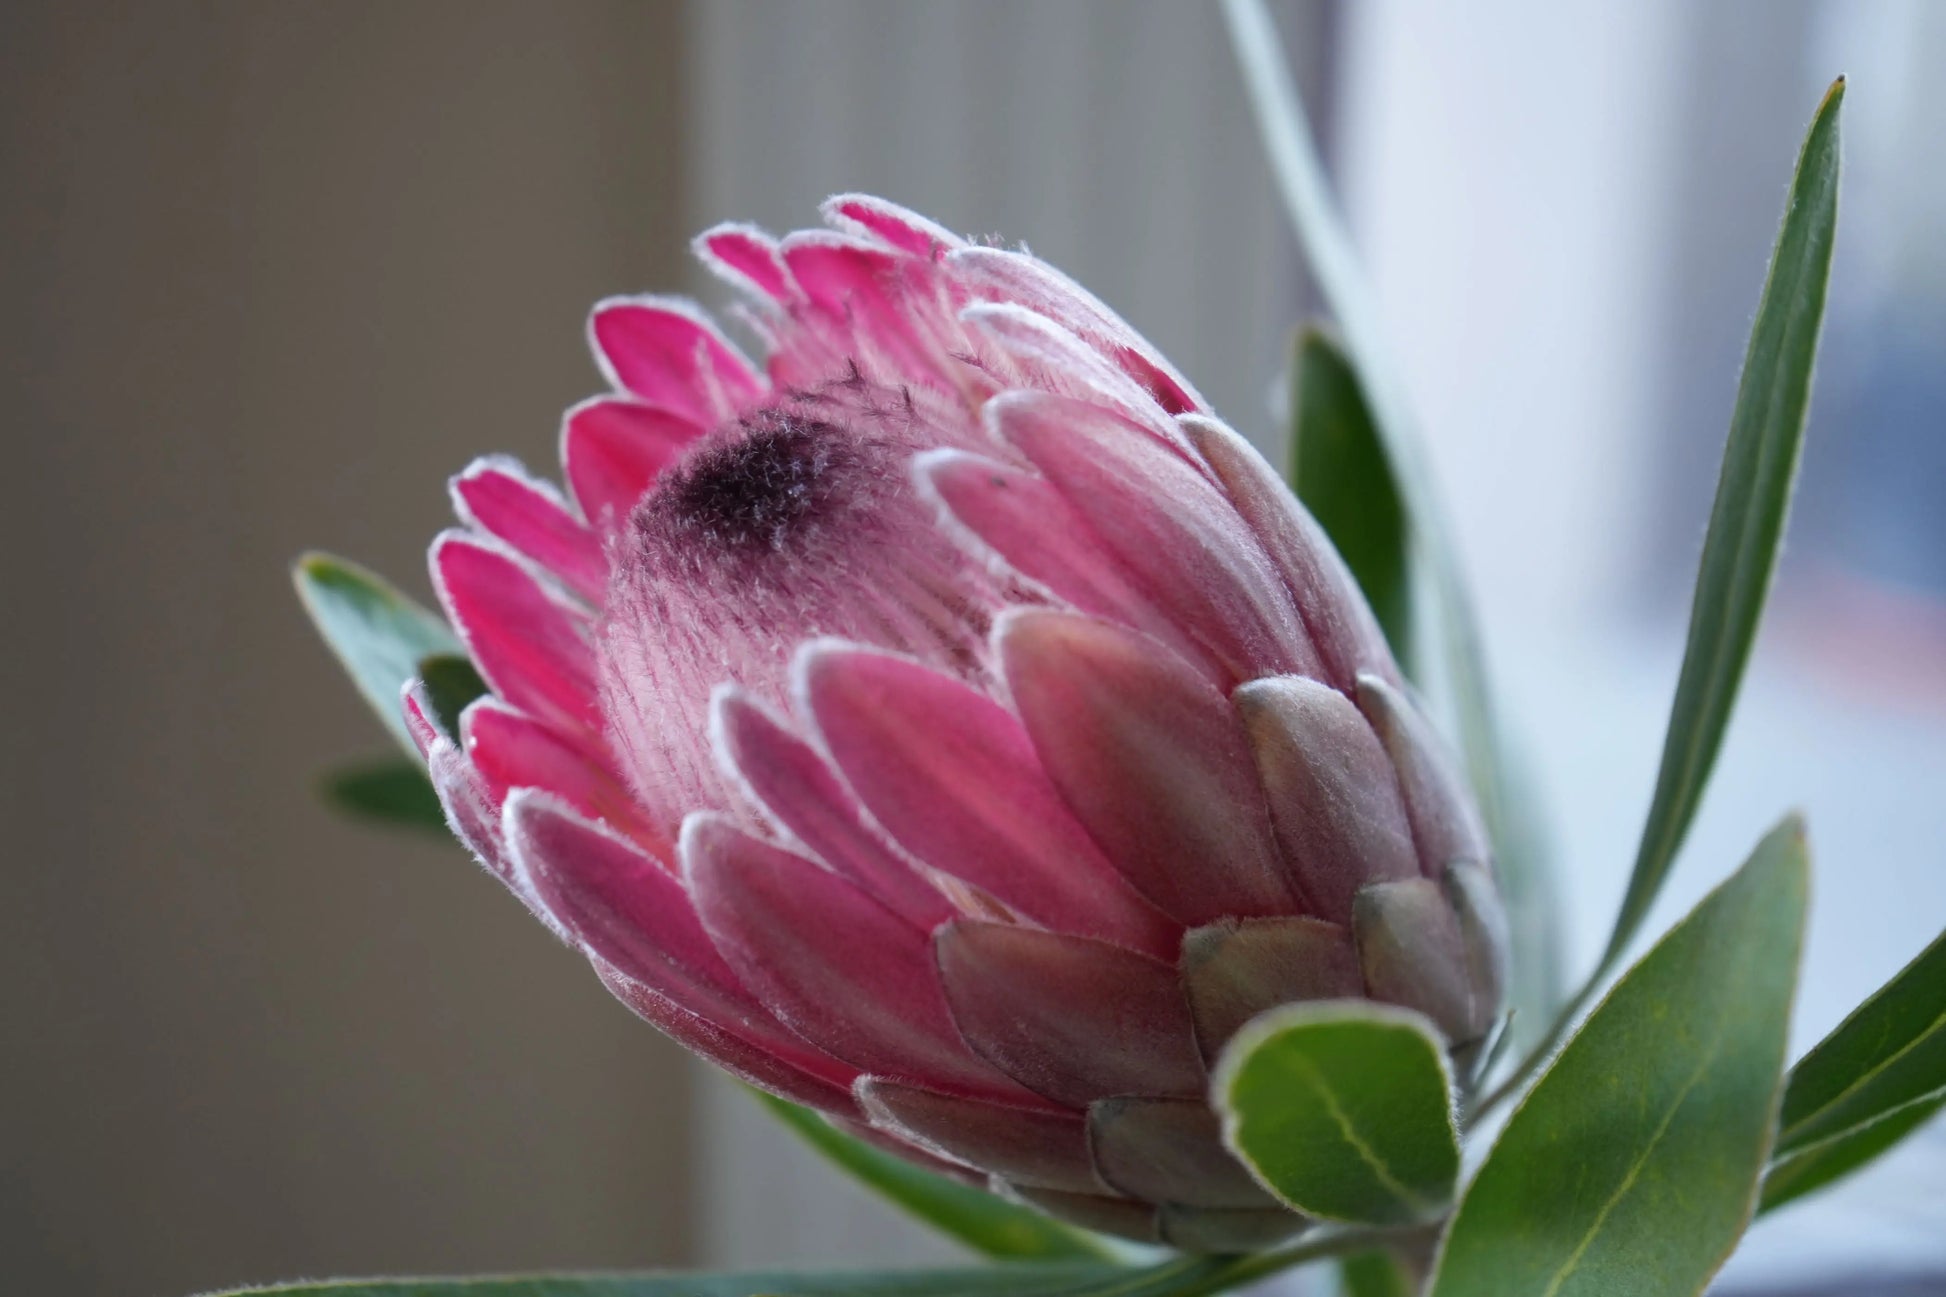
(1525, 885)
(1747, 521)
(1340, 472)
(1030, 1281)
(1889, 1053)
(451, 683)
(1343, 1109)
(1819, 1164)
(988, 1224)
(1374, 1274)
(1633, 1164)
(378, 634)
(388, 790)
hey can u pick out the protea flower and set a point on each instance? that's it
(950, 725)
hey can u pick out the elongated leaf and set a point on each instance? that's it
(1525, 885)
(1374, 1274)
(1633, 1164)
(989, 1225)
(452, 682)
(1339, 470)
(1817, 1165)
(388, 790)
(1030, 1281)
(1889, 1053)
(1343, 1109)
(378, 634)
(1747, 522)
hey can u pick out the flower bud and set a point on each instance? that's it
(950, 725)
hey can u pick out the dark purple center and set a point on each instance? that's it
(753, 489)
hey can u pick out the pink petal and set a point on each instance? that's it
(418, 713)
(526, 643)
(747, 257)
(951, 775)
(903, 229)
(886, 300)
(1233, 971)
(666, 352)
(1445, 824)
(613, 449)
(846, 973)
(1169, 1150)
(796, 786)
(1336, 617)
(1151, 759)
(1334, 798)
(749, 1062)
(1049, 359)
(1020, 518)
(1069, 1018)
(1168, 525)
(512, 750)
(1002, 275)
(1024, 1145)
(497, 497)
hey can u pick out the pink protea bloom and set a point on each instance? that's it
(950, 725)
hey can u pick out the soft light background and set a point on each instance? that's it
(269, 272)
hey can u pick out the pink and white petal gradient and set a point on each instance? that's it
(948, 723)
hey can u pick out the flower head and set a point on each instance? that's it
(950, 725)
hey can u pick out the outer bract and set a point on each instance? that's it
(950, 725)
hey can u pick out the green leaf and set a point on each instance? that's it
(1339, 471)
(389, 791)
(1520, 866)
(988, 1224)
(1747, 522)
(1028, 1281)
(1343, 1109)
(1374, 1274)
(1889, 1053)
(1633, 1164)
(378, 634)
(451, 683)
(1819, 1164)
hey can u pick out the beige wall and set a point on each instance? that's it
(268, 273)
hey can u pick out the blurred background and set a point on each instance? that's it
(270, 272)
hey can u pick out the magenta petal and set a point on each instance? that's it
(747, 257)
(880, 297)
(911, 1152)
(749, 1062)
(1069, 1018)
(527, 643)
(796, 786)
(846, 973)
(667, 353)
(1152, 760)
(613, 449)
(1445, 825)
(1168, 525)
(1024, 1145)
(513, 750)
(903, 229)
(498, 497)
(953, 777)
(417, 709)
(1336, 617)
(1334, 798)
(1169, 1150)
